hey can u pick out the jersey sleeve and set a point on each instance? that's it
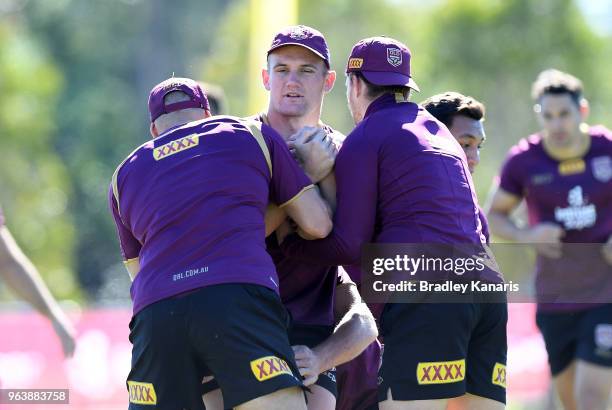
(510, 179)
(354, 220)
(130, 246)
(288, 181)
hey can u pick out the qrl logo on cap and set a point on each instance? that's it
(394, 56)
(298, 33)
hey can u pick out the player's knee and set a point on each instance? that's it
(592, 395)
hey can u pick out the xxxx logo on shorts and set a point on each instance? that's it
(268, 367)
(499, 375)
(174, 147)
(142, 393)
(441, 372)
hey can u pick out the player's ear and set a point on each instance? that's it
(584, 109)
(265, 78)
(330, 80)
(153, 130)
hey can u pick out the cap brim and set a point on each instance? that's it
(386, 78)
(301, 45)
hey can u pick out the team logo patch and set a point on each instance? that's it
(355, 63)
(394, 56)
(572, 166)
(579, 214)
(441, 372)
(142, 393)
(498, 377)
(602, 168)
(268, 367)
(603, 336)
(298, 33)
(174, 147)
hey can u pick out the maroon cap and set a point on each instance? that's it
(302, 36)
(382, 61)
(197, 96)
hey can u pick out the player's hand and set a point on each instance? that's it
(315, 151)
(546, 238)
(606, 251)
(308, 363)
(65, 332)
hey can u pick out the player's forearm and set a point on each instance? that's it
(328, 190)
(502, 226)
(23, 278)
(352, 335)
(274, 217)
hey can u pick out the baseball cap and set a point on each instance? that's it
(382, 61)
(197, 96)
(302, 36)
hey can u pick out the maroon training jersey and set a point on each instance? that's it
(306, 287)
(575, 194)
(190, 205)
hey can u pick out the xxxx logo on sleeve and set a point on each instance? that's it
(142, 393)
(268, 367)
(441, 372)
(499, 375)
(174, 147)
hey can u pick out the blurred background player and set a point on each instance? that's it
(385, 198)
(189, 209)
(18, 272)
(217, 101)
(564, 173)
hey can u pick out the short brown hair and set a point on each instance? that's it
(447, 105)
(553, 81)
(375, 91)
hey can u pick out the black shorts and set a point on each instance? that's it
(236, 332)
(585, 335)
(310, 336)
(439, 351)
(305, 335)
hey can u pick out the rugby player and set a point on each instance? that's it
(298, 75)
(564, 173)
(463, 116)
(189, 209)
(22, 277)
(402, 178)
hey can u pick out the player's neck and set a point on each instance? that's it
(289, 125)
(578, 148)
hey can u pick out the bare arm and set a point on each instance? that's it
(355, 330)
(501, 206)
(545, 236)
(275, 216)
(310, 212)
(23, 278)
